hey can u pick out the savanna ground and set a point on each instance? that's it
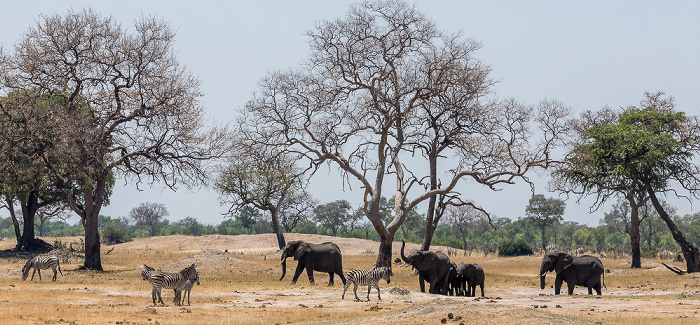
(239, 285)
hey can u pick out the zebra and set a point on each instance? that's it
(146, 272)
(369, 278)
(41, 262)
(169, 280)
(185, 290)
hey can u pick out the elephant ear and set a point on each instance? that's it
(427, 261)
(302, 248)
(564, 261)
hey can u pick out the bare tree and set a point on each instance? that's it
(59, 212)
(464, 217)
(298, 207)
(359, 105)
(149, 214)
(128, 108)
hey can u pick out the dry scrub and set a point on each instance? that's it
(240, 286)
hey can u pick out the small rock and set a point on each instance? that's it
(444, 321)
(557, 306)
(450, 316)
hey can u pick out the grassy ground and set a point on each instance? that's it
(242, 287)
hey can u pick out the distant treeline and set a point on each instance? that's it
(479, 236)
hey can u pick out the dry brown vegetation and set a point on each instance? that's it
(240, 286)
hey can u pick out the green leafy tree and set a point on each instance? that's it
(544, 212)
(650, 149)
(333, 215)
(248, 217)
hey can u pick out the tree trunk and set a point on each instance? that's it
(276, 226)
(690, 252)
(15, 222)
(430, 219)
(634, 235)
(386, 241)
(93, 259)
(28, 240)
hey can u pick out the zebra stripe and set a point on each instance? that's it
(146, 272)
(169, 280)
(185, 290)
(39, 263)
(370, 278)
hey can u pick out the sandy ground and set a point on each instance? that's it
(242, 301)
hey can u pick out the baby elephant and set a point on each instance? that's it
(370, 278)
(41, 262)
(473, 275)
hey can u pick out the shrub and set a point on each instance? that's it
(114, 234)
(648, 251)
(514, 248)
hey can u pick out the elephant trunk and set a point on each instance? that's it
(543, 275)
(403, 256)
(284, 265)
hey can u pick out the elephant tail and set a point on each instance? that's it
(604, 280)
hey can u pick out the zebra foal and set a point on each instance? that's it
(185, 290)
(370, 278)
(39, 263)
(169, 280)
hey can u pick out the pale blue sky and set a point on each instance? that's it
(587, 54)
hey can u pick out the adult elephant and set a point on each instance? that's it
(472, 275)
(584, 271)
(433, 267)
(323, 257)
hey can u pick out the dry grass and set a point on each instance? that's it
(241, 287)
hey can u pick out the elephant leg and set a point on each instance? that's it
(598, 288)
(297, 272)
(342, 277)
(330, 281)
(482, 289)
(594, 283)
(310, 273)
(558, 281)
(571, 285)
(421, 282)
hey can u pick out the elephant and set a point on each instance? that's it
(433, 267)
(325, 257)
(456, 281)
(472, 276)
(584, 271)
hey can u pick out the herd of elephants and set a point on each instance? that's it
(443, 275)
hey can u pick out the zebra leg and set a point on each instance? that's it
(37, 271)
(345, 289)
(379, 294)
(33, 272)
(160, 298)
(369, 288)
(54, 273)
(355, 291)
(153, 295)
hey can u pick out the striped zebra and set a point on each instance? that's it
(146, 272)
(41, 262)
(369, 278)
(185, 290)
(169, 280)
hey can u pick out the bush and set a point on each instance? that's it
(648, 251)
(514, 248)
(114, 234)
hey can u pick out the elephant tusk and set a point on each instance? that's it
(281, 263)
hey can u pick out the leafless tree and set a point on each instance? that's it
(149, 214)
(363, 102)
(298, 207)
(128, 108)
(464, 217)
